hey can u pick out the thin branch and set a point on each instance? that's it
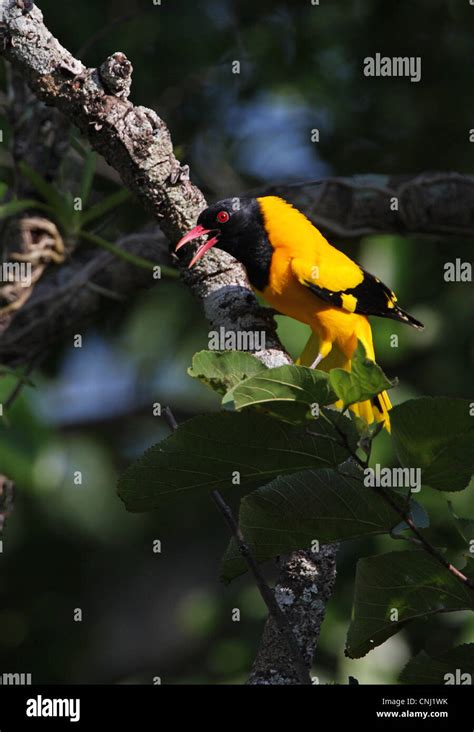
(95, 37)
(422, 540)
(405, 516)
(22, 380)
(267, 594)
(169, 417)
(7, 490)
(137, 143)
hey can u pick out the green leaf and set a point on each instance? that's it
(59, 203)
(413, 583)
(436, 435)
(455, 666)
(288, 391)
(465, 526)
(221, 370)
(365, 380)
(50, 194)
(451, 533)
(293, 511)
(104, 206)
(12, 208)
(127, 256)
(205, 452)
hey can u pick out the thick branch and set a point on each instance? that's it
(436, 204)
(137, 143)
(70, 294)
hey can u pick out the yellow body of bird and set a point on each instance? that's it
(301, 253)
(296, 270)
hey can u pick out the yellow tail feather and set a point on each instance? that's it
(376, 410)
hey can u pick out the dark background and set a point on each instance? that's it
(70, 546)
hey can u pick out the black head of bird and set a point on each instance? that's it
(236, 226)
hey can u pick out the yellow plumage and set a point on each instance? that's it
(303, 257)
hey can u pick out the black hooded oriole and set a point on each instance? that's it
(295, 269)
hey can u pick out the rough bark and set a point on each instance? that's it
(72, 293)
(436, 204)
(137, 143)
(303, 591)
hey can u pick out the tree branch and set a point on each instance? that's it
(67, 296)
(137, 143)
(300, 666)
(303, 591)
(435, 204)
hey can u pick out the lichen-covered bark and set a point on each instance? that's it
(137, 143)
(303, 591)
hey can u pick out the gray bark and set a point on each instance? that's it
(137, 143)
(303, 591)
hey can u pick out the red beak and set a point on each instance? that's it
(203, 248)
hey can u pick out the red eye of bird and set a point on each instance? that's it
(223, 217)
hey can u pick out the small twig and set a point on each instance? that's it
(169, 416)
(424, 542)
(105, 292)
(345, 443)
(22, 380)
(405, 516)
(105, 29)
(267, 594)
(6, 500)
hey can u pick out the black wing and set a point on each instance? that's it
(369, 297)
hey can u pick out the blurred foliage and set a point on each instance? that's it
(68, 546)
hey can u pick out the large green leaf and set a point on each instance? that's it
(365, 380)
(455, 666)
(221, 370)
(207, 451)
(293, 511)
(436, 435)
(292, 392)
(412, 583)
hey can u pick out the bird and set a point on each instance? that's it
(300, 274)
